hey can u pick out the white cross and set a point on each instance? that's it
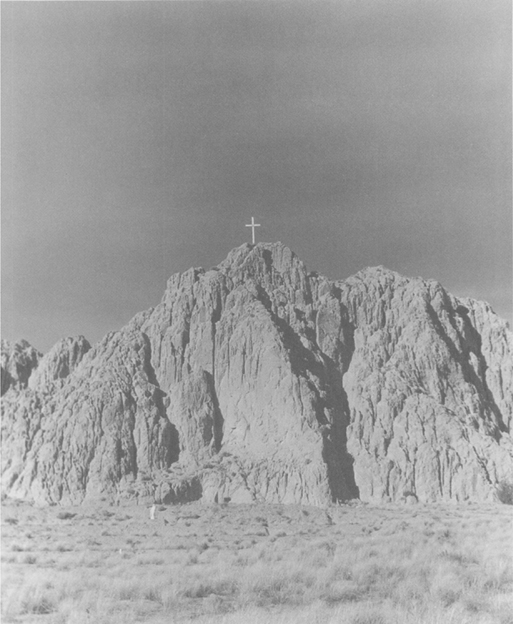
(253, 225)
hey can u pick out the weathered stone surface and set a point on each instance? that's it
(59, 362)
(91, 435)
(429, 388)
(257, 381)
(18, 361)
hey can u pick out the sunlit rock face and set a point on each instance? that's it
(430, 389)
(257, 381)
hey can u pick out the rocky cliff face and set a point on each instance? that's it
(258, 381)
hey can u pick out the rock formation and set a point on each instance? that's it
(257, 381)
(18, 362)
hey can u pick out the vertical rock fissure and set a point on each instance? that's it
(338, 460)
(218, 424)
(172, 441)
(218, 420)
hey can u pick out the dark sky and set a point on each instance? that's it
(140, 137)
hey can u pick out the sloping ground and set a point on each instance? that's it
(258, 381)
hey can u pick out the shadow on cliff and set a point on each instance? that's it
(471, 343)
(331, 404)
(185, 492)
(217, 418)
(340, 462)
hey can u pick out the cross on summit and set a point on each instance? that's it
(253, 225)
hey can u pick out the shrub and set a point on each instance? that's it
(66, 515)
(39, 604)
(153, 594)
(504, 492)
(369, 618)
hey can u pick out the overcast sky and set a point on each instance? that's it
(140, 137)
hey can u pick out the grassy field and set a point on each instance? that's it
(354, 564)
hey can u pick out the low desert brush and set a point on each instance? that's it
(456, 572)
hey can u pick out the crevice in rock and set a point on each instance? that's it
(186, 337)
(482, 465)
(215, 318)
(171, 436)
(218, 420)
(218, 424)
(339, 461)
(268, 259)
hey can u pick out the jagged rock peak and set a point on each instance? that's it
(378, 272)
(279, 255)
(247, 260)
(59, 362)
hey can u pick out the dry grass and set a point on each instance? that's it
(246, 564)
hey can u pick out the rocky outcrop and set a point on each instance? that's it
(430, 389)
(18, 361)
(93, 432)
(59, 362)
(258, 381)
